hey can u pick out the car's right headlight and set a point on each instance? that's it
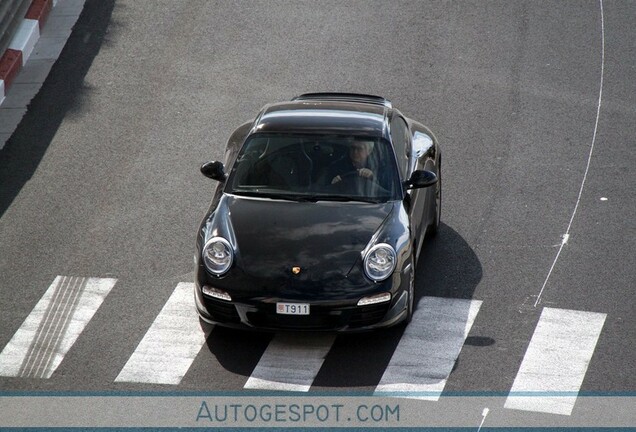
(217, 255)
(380, 262)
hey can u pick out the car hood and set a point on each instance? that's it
(324, 238)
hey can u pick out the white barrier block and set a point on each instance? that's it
(26, 37)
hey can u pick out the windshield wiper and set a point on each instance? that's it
(272, 195)
(341, 198)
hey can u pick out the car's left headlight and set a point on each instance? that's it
(379, 262)
(217, 255)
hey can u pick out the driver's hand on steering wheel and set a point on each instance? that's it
(362, 172)
(365, 173)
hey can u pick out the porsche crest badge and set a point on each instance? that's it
(295, 270)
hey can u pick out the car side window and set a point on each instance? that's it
(400, 138)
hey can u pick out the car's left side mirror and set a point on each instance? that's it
(214, 170)
(421, 179)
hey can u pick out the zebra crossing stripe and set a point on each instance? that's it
(170, 345)
(290, 362)
(53, 326)
(556, 361)
(428, 349)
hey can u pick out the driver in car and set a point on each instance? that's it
(356, 164)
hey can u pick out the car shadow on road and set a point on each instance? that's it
(238, 351)
(62, 92)
(448, 267)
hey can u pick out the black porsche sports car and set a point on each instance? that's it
(319, 216)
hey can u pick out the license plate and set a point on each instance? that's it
(292, 308)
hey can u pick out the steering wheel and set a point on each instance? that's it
(353, 177)
(348, 175)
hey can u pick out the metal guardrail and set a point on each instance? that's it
(11, 14)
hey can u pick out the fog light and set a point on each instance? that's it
(378, 298)
(216, 293)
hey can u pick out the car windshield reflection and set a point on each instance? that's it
(315, 168)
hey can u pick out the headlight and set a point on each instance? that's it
(217, 255)
(379, 262)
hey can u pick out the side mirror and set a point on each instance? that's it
(421, 179)
(214, 170)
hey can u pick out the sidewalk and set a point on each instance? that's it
(31, 55)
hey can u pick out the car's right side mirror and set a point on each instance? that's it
(214, 170)
(420, 179)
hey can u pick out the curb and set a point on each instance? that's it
(23, 42)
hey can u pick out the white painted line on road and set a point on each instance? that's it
(430, 345)
(291, 362)
(566, 236)
(51, 329)
(484, 414)
(556, 361)
(170, 345)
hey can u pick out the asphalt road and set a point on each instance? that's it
(534, 104)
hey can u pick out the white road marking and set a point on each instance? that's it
(556, 361)
(53, 326)
(484, 414)
(566, 236)
(170, 345)
(291, 362)
(430, 345)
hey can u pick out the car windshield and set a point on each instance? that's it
(315, 168)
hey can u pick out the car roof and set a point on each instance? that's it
(332, 113)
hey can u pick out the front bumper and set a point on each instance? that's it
(340, 316)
